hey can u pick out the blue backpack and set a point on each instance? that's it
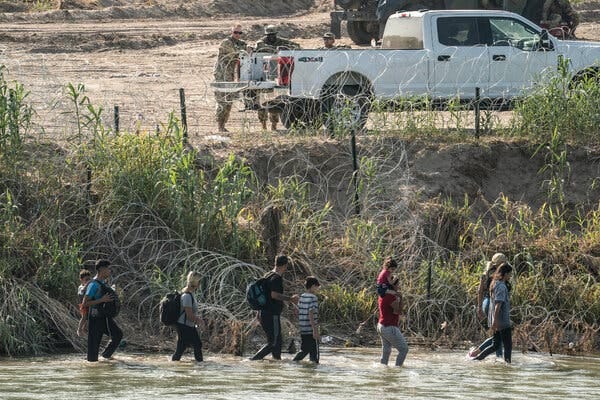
(257, 293)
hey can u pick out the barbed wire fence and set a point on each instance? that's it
(146, 88)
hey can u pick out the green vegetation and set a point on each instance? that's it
(567, 104)
(158, 208)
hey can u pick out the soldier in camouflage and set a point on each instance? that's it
(271, 43)
(329, 42)
(226, 69)
(558, 12)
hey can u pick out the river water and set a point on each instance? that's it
(343, 374)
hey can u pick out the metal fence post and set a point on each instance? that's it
(477, 111)
(116, 119)
(183, 114)
(355, 171)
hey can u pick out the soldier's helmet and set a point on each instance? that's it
(270, 30)
(328, 35)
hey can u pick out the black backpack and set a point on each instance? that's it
(112, 308)
(170, 308)
(257, 293)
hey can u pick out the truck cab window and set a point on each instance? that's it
(458, 31)
(512, 32)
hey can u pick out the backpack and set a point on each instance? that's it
(112, 308)
(170, 308)
(257, 293)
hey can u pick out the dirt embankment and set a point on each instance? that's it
(134, 25)
(53, 10)
(482, 171)
(56, 10)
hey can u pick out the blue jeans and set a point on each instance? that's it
(485, 306)
(392, 337)
(500, 338)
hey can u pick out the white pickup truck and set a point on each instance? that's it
(444, 54)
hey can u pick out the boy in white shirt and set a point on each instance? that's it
(308, 318)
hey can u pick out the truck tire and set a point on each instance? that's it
(358, 32)
(344, 109)
(348, 4)
(588, 74)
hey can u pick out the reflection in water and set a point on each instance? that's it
(343, 374)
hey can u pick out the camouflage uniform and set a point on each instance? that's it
(270, 43)
(225, 70)
(331, 36)
(557, 11)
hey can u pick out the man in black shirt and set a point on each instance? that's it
(270, 316)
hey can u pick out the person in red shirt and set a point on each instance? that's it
(390, 308)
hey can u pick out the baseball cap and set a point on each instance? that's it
(498, 259)
(270, 29)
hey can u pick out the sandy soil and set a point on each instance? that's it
(137, 55)
(137, 63)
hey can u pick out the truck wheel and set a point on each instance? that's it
(344, 109)
(358, 32)
(348, 4)
(588, 74)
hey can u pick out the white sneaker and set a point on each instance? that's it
(471, 355)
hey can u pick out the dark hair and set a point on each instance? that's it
(281, 260)
(311, 281)
(84, 273)
(503, 270)
(102, 263)
(389, 262)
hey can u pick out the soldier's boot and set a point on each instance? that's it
(274, 118)
(263, 116)
(222, 128)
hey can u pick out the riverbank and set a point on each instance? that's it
(174, 207)
(82, 179)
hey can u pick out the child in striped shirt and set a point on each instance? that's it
(308, 317)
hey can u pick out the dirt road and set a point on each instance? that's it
(139, 66)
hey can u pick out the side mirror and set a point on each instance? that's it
(375, 42)
(545, 42)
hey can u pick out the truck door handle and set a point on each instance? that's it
(444, 58)
(499, 57)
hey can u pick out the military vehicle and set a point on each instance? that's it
(365, 19)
